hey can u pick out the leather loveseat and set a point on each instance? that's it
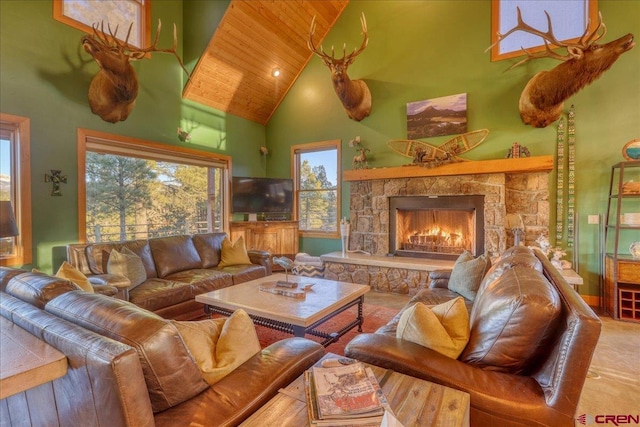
(531, 342)
(177, 269)
(128, 366)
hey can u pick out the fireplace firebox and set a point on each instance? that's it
(436, 226)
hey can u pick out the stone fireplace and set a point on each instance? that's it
(436, 226)
(525, 194)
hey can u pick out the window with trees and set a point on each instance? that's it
(134, 189)
(15, 179)
(316, 171)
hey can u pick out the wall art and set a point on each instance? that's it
(437, 116)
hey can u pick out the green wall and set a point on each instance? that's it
(427, 49)
(45, 75)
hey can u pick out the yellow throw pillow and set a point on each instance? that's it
(443, 328)
(72, 274)
(233, 254)
(126, 263)
(220, 345)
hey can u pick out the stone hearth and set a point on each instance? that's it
(526, 194)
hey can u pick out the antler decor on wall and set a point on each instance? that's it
(354, 94)
(542, 100)
(113, 91)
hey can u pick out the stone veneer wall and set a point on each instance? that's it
(526, 194)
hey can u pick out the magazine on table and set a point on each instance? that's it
(343, 396)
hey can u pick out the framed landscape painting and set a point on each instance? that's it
(437, 116)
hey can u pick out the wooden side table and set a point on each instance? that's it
(26, 361)
(572, 278)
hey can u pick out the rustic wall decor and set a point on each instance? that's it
(354, 94)
(438, 116)
(56, 178)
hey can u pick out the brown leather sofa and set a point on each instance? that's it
(178, 268)
(531, 342)
(128, 366)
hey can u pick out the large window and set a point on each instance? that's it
(316, 171)
(15, 178)
(133, 189)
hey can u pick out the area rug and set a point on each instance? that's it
(375, 316)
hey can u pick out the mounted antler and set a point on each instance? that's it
(354, 94)
(542, 99)
(113, 91)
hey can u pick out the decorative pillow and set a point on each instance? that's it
(128, 264)
(220, 345)
(233, 254)
(443, 328)
(467, 274)
(72, 274)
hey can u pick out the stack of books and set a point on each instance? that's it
(347, 395)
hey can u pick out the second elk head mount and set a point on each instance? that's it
(113, 91)
(354, 94)
(542, 100)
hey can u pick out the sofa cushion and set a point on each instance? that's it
(243, 273)
(38, 288)
(174, 253)
(128, 264)
(513, 320)
(69, 272)
(220, 345)
(467, 274)
(98, 255)
(170, 372)
(443, 328)
(234, 253)
(209, 246)
(156, 293)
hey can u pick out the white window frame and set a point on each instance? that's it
(298, 149)
(100, 142)
(19, 128)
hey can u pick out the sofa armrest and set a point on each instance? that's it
(110, 291)
(439, 278)
(507, 394)
(119, 283)
(262, 258)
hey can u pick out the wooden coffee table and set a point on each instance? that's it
(297, 316)
(415, 403)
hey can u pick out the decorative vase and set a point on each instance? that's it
(345, 229)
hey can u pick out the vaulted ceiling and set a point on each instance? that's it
(255, 37)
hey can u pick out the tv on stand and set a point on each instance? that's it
(263, 199)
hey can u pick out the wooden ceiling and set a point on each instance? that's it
(253, 38)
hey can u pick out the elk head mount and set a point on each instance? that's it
(542, 100)
(354, 94)
(113, 91)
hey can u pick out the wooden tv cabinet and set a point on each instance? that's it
(279, 238)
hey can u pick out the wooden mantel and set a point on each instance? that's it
(472, 167)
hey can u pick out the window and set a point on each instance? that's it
(15, 179)
(317, 177)
(132, 189)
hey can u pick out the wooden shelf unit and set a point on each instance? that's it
(621, 271)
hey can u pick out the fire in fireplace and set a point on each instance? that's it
(436, 226)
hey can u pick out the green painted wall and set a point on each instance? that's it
(427, 49)
(45, 75)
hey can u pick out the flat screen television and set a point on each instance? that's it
(261, 195)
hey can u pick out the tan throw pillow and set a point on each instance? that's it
(72, 274)
(220, 345)
(467, 274)
(233, 254)
(443, 328)
(126, 263)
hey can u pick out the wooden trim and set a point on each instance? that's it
(24, 245)
(495, 27)
(521, 165)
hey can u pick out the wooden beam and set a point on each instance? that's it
(521, 165)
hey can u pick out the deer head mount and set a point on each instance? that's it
(354, 94)
(113, 91)
(542, 100)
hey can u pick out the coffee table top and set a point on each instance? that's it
(325, 297)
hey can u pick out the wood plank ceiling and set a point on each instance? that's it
(254, 37)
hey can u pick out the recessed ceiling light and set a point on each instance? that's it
(275, 72)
